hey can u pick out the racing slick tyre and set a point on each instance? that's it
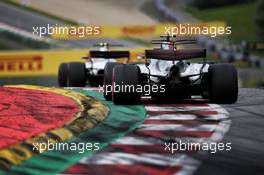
(108, 75)
(63, 75)
(125, 81)
(76, 74)
(223, 83)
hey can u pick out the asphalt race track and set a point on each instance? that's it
(245, 133)
(135, 144)
(241, 124)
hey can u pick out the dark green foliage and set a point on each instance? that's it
(259, 19)
(203, 4)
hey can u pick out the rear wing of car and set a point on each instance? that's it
(109, 54)
(171, 55)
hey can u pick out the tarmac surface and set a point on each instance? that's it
(245, 134)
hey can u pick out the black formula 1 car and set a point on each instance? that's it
(167, 74)
(79, 74)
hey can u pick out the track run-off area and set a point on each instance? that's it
(132, 139)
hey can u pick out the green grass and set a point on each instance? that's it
(239, 17)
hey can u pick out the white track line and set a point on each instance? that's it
(137, 140)
(176, 127)
(128, 140)
(130, 159)
(187, 117)
(173, 108)
(173, 117)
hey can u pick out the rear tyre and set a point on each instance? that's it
(125, 81)
(223, 83)
(63, 75)
(108, 75)
(77, 74)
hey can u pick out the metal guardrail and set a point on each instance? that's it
(22, 33)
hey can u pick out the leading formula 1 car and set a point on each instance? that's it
(78, 74)
(173, 76)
